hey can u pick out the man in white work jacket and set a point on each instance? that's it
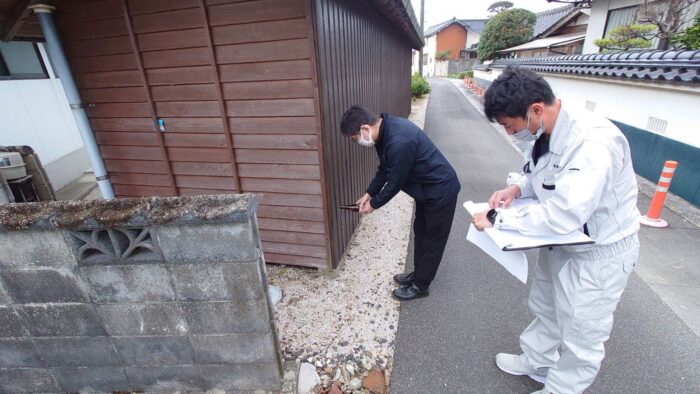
(580, 171)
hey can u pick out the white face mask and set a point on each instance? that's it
(367, 143)
(526, 135)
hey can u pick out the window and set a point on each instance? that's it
(21, 60)
(628, 16)
(425, 58)
(462, 53)
(619, 17)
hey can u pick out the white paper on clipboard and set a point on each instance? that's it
(513, 262)
(511, 240)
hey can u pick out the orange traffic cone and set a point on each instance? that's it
(653, 216)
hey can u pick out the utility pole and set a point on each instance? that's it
(422, 29)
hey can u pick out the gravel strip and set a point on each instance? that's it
(344, 321)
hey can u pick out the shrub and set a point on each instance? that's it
(443, 55)
(689, 39)
(624, 38)
(419, 86)
(468, 73)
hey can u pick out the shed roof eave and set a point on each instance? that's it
(548, 42)
(400, 14)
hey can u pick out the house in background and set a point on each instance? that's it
(559, 31)
(33, 106)
(222, 96)
(610, 14)
(459, 37)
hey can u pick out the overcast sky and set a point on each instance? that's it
(437, 11)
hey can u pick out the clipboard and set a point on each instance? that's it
(511, 240)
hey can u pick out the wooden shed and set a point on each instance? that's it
(226, 96)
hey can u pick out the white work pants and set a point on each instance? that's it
(573, 297)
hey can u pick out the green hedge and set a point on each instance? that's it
(419, 86)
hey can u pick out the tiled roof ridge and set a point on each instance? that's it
(435, 28)
(549, 18)
(431, 30)
(645, 56)
(453, 19)
(555, 10)
(669, 65)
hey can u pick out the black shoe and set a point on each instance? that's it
(404, 279)
(409, 293)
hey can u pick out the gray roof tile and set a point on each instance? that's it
(549, 18)
(476, 25)
(545, 20)
(654, 65)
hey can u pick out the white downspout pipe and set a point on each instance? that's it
(44, 14)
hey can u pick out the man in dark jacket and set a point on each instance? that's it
(410, 162)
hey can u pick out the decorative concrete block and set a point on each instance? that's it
(107, 246)
(167, 378)
(77, 352)
(10, 323)
(4, 297)
(142, 319)
(215, 282)
(18, 353)
(242, 377)
(153, 351)
(62, 320)
(224, 243)
(234, 348)
(92, 379)
(128, 283)
(43, 285)
(34, 248)
(227, 317)
(27, 380)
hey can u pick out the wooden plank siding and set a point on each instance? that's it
(234, 82)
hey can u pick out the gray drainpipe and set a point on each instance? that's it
(43, 13)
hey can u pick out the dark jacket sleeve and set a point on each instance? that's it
(379, 180)
(400, 159)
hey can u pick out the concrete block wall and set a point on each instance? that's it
(144, 295)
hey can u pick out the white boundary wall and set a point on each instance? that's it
(35, 112)
(630, 102)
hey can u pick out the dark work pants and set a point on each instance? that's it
(431, 228)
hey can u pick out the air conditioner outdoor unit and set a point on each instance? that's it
(12, 166)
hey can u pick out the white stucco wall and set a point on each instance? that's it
(36, 113)
(486, 75)
(630, 102)
(472, 37)
(441, 68)
(415, 58)
(633, 103)
(430, 49)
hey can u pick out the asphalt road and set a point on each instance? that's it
(446, 343)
